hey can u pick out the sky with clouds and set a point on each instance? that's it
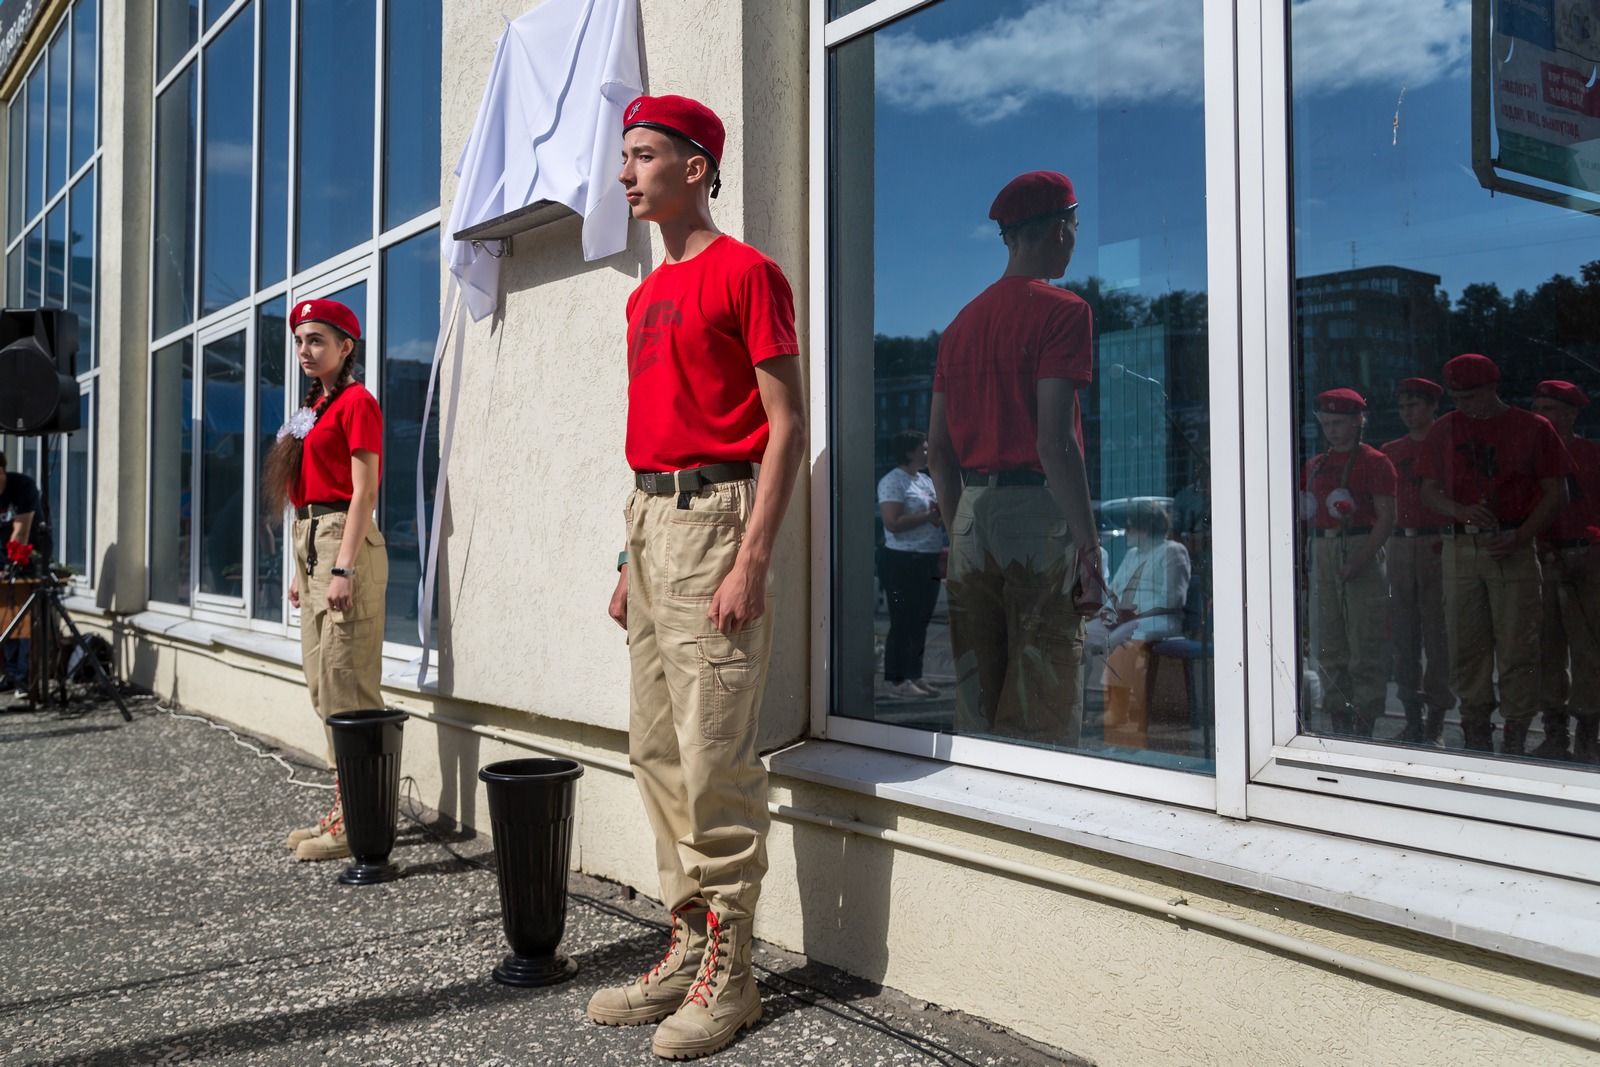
(970, 93)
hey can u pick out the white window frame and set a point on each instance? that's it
(1222, 791)
(88, 377)
(360, 263)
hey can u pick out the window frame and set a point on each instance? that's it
(1118, 776)
(362, 263)
(88, 376)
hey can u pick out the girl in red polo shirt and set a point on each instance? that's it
(327, 463)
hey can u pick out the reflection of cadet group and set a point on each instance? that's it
(1458, 543)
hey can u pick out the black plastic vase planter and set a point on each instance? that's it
(530, 811)
(366, 748)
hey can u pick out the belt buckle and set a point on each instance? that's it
(649, 479)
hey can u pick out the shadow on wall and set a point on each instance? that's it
(458, 774)
(106, 578)
(554, 253)
(844, 884)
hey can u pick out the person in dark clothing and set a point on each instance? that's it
(25, 519)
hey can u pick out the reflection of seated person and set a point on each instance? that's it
(24, 519)
(1006, 451)
(1148, 594)
(908, 565)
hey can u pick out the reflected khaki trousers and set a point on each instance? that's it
(1494, 608)
(1016, 637)
(1349, 631)
(341, 651)
(1569, 659)
(1421, 645)
(695, 699)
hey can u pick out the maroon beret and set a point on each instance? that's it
(1419, 387)
(1469, 371)
(1566, 392)
(689, 119)
(1031, 196)
(331, 312)
(1341, 402)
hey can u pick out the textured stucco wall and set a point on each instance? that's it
(1115, 985)
(538, 479)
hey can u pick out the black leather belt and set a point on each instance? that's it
(1001, 479)
(1470, 530)
(694, 479)
(1353, 531)
(1418, 531)
(311, 511)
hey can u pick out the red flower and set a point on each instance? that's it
(19, 553)
(1343, 507)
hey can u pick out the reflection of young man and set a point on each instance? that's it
(1416, 574)
(1569, 557)
(1497, 472)
(713, 388)
(1005, 444)
(1347, 496)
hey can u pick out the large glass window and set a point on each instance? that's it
(335, 129)
(226, 301)
(1449, 531)
(57, 130)
(956, 607)
(171, 471)
(177, 23)
(85, 73)
(225, 165)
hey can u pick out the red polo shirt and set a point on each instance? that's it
(1406, 455)
(1497, 462)
(1364, 471)
(1583, 493)
(351, 422)
(1014, 333)
(696, 330)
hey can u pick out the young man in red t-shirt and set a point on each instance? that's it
(1005, 447)
(1347, 502)
(1497, 473)
(1416, 574)
(713, 389)
(1569, 558)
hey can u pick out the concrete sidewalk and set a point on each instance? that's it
(151, 915)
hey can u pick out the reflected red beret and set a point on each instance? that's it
(1341, 402)
(1566, 392)
(1031, 196)
(1469, 371)
(331, 312)
(689, 119)
(1420, 387)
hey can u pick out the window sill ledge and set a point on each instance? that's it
(1528, 916)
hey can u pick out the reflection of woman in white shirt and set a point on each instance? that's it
(908, 565)
(1148, 594)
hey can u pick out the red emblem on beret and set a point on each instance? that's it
(1566, 392)
(1469, 371)
(1341, 402)
(331, 312)
(689, 119)
(1032, 196)
(1424, 387)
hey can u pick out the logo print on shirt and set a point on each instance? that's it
(644, 348)
(1479, 457)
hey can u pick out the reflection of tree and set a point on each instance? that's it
(1553, 331)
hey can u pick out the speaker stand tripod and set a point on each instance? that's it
(45, 603)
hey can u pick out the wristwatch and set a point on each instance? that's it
(342, 572)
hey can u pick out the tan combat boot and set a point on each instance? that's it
(306, 833)
(724, 999)
(328, 845)
(657, 993)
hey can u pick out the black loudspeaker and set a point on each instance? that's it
(38, 371)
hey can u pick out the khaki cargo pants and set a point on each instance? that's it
(1569, 660)
(695, 698)
(1421, 645)
(1016, 637)
(1349, 633)
(341, 651)
(1494, 607)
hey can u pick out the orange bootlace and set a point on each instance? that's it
(708, 971)
(671, 947)
(335, 813)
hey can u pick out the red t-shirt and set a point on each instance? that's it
(351, 422)
(1497, 461)
(1406, 455)
(1583, 493)
(1363, 471)
(991, 359)
(696, 330)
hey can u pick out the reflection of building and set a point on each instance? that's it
(1366, 329)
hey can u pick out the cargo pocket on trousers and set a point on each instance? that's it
(730, 668)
